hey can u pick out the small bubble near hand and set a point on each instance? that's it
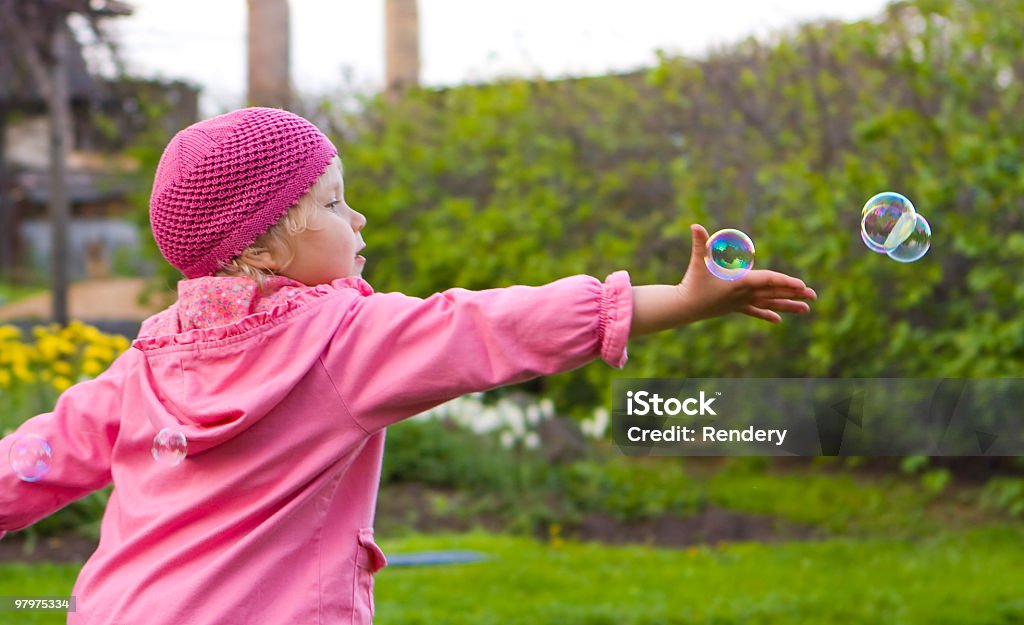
(729, 254)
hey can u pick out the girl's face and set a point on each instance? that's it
(330, 248)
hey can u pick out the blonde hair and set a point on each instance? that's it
(279, 239)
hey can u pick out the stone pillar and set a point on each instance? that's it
(402, 25)
(269, 55)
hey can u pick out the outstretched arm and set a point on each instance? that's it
(395, 356)
(761, 294)
(81, 431)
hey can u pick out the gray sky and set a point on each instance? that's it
(203, 41)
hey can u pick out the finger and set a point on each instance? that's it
(762, 313)
(785, 293)
(783, 285)
(700, 240)
(699, 233)
(783, 306)
(765, 277)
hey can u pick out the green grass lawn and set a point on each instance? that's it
(971, 577)
(39, 580)
(10, 293)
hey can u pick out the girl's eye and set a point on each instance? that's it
(332, 205)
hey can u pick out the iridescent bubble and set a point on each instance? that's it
(916, 245)
(31, 457)
(169, 447)
(729, 254)
(871, 246)
(887, 219)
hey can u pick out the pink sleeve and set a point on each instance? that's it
(395, 356)
(81, 432)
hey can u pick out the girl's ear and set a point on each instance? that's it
(262, 258)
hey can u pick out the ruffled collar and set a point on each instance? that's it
(216, 301)
(213, 301)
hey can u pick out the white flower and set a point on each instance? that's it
(587, 427)
(533, 414)
(487, 421)
(547, 408)
(602, 419)
(532, 440)
(514, 419)
(507, 439)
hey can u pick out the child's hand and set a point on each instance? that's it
(760, 293)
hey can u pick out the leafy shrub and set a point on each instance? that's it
(443, 454)
(1006, 494)
(630, 488)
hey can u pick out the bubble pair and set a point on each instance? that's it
(890, 225)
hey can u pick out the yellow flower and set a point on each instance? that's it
(23, 374)
(62, 367)
(47, 348)
(45, 375)
(61, 383)
(5, 378)
(91, 335)
(98, 352)
(65, 347)
(92, 368)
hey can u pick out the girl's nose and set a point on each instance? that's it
(358, 221)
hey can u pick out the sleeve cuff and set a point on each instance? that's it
(616, 318)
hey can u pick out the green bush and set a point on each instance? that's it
(442, 454)
(630, 488)
(1006, 494)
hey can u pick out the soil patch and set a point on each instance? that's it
(712, 525)
(67, 548)
(430, 510)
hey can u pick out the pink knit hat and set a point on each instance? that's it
(223, 182)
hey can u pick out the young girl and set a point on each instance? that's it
(281, 368)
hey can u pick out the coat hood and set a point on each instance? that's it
(225, 354)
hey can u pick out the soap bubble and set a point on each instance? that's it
(729, 254)
(917, 243)
(31, 457)
(169, 447)
(871, 246)
(887, 219)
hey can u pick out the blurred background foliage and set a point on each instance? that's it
(525, 181)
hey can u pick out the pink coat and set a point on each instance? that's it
(284, 401)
